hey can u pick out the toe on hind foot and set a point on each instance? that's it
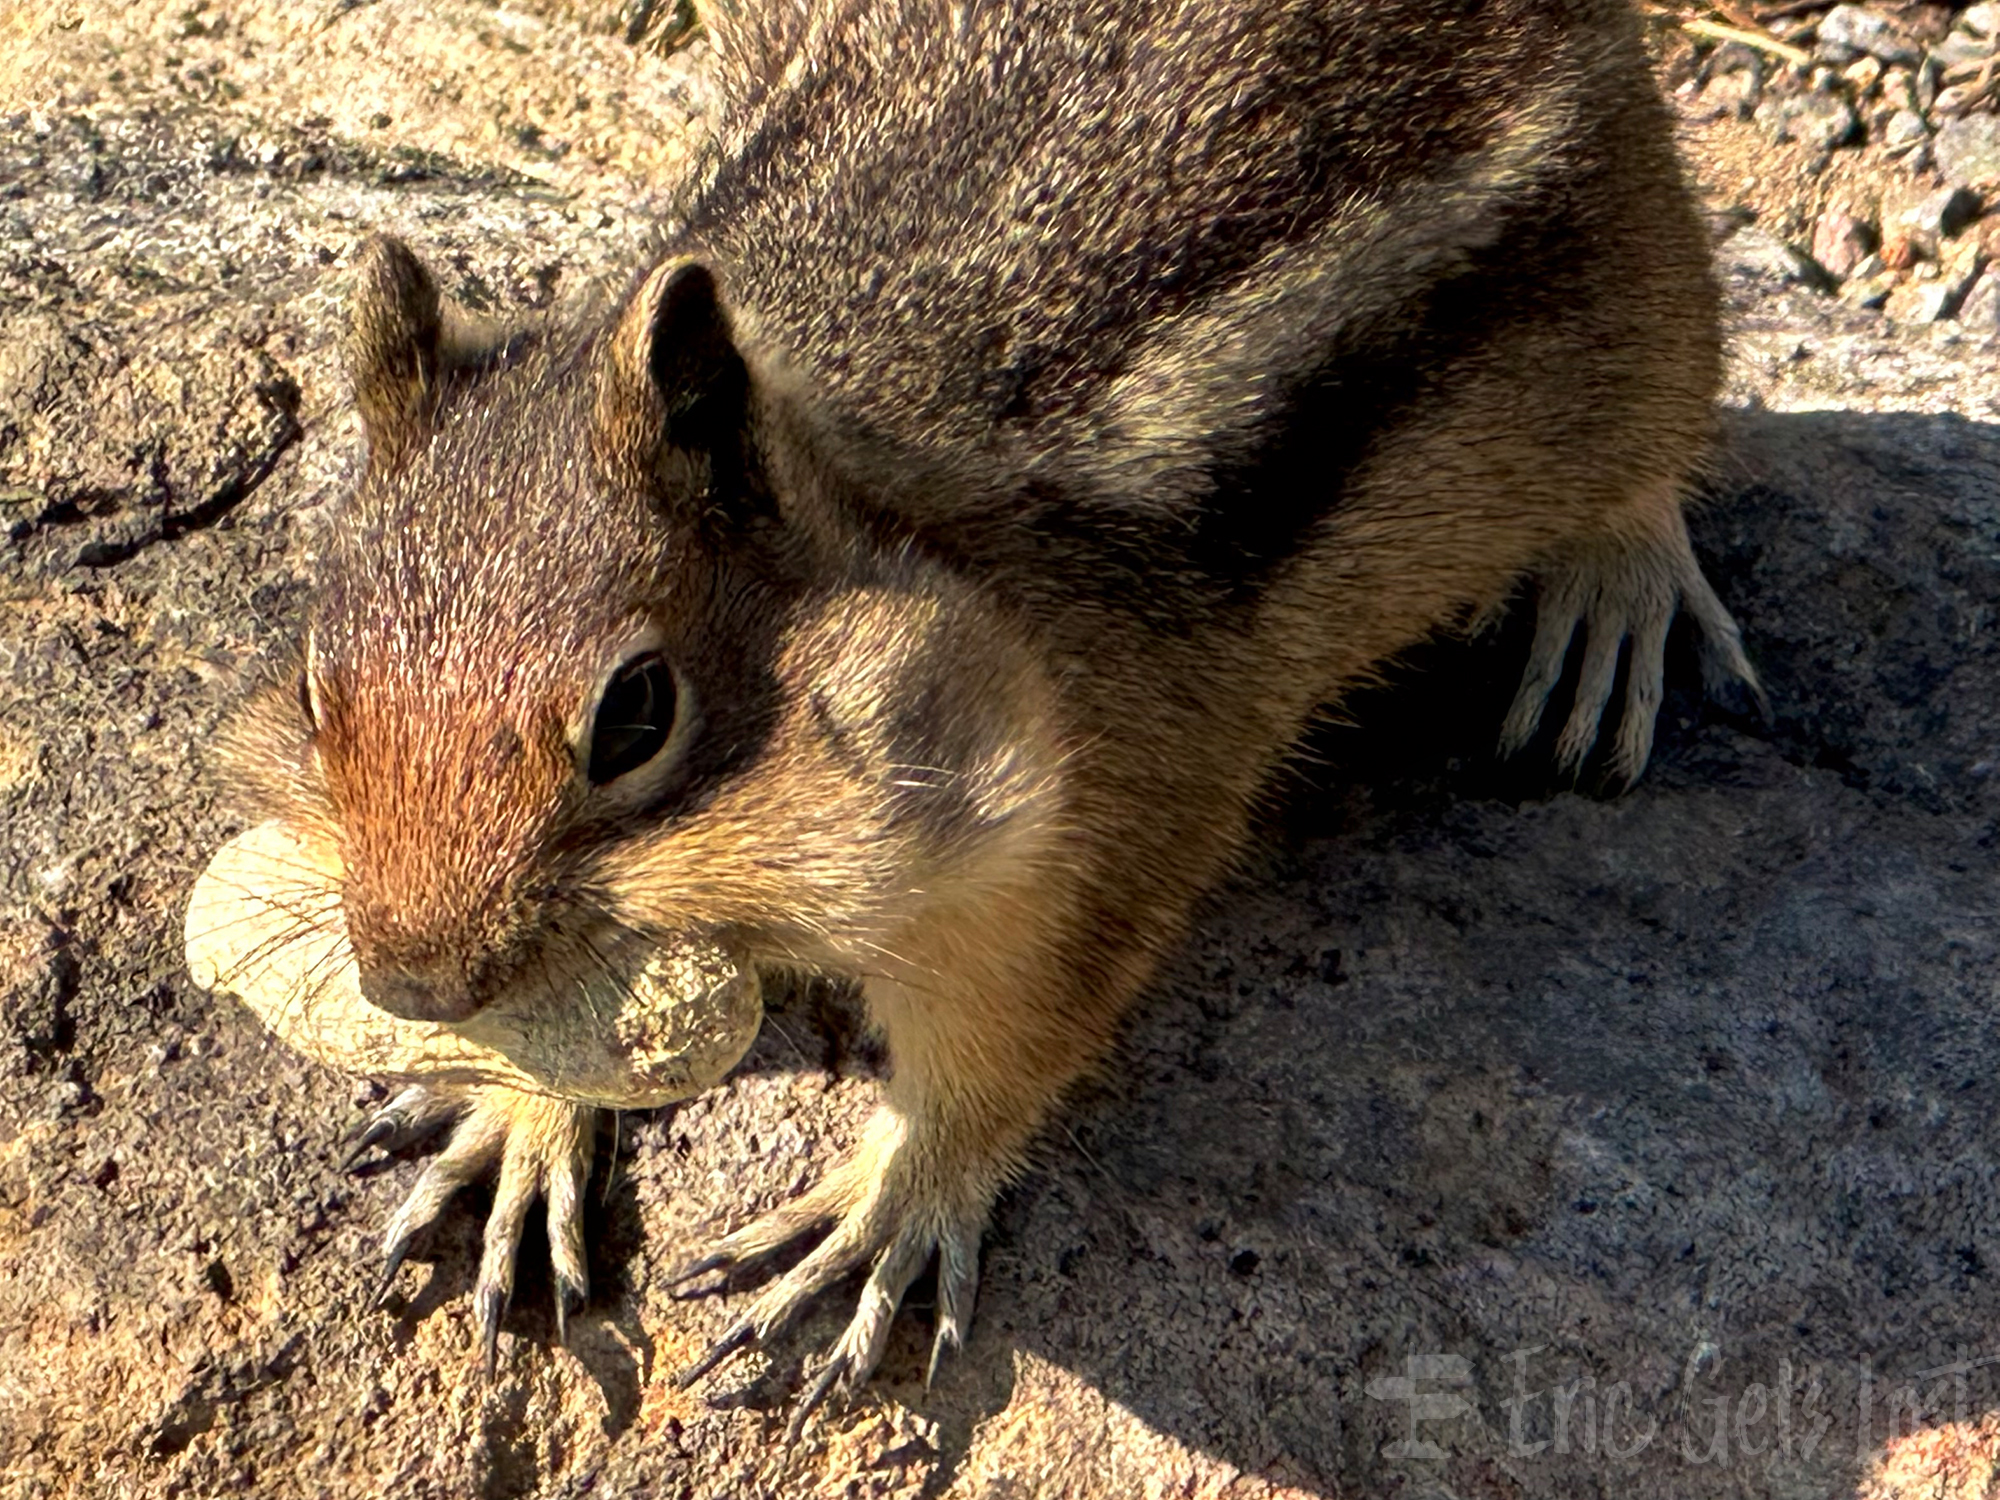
(1623, 595)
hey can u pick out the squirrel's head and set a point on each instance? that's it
(603, 649)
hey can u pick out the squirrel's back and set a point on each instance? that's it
(1098, 266)
(965, 220)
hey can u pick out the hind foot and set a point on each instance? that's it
(1621, 588)
(541, 1148)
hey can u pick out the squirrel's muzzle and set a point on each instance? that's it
(446, 997)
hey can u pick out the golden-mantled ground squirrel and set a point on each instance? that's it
(1036, 413)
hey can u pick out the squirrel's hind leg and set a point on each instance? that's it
(541, 1148)
(1623, 584)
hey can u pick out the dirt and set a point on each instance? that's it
(1491, 1138)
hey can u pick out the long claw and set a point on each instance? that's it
(700, 1266)
(850, 1244)
(611, 1168)
(1556, 620)
(392, 1262)
(512, 1198)
(958, 1290)
(881, 1220)
(563, 1189)
(1623, 588)
(570, 1297)
(1723, 664)
(765, 1237)
(1593, 694)
(860, 1347)
(373, 1134)
(543, 1147)
(836, 1372)
(1645, 690)
(470, 1153)
(412, 1115)
(489, 1306)
(739, 1336)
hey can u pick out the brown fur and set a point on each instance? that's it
(1036, 413)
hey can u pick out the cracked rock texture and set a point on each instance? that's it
(1489, 1139)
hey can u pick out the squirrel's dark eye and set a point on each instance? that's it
(635, 718)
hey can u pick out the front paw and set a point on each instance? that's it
(542, 1149)
(893, 1203)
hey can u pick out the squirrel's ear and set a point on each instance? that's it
(675, 387)
(404, 347)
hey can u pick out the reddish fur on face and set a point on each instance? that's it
(445, 805)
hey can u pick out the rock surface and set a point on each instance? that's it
(1649, 1141)
(1968, 151)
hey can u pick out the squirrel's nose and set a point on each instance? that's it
(442, 997)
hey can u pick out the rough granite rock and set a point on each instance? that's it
(1968, 151)
(1649, 1142)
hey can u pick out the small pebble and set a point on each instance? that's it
(1960, 265)
(1869, 291)
(1899, 90)
(1980, 311)
(1960, 48)
(1840, 243)
(1822, 121)
(1940, 216)
(1734, 94)
(1904, 130)
(1848, 31)
(1899, 250)
(1755, 253)
(1968, 151)
(1918, 302)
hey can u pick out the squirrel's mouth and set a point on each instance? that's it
(419, 1000)
(642, 1023)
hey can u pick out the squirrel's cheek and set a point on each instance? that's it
(921, 745)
